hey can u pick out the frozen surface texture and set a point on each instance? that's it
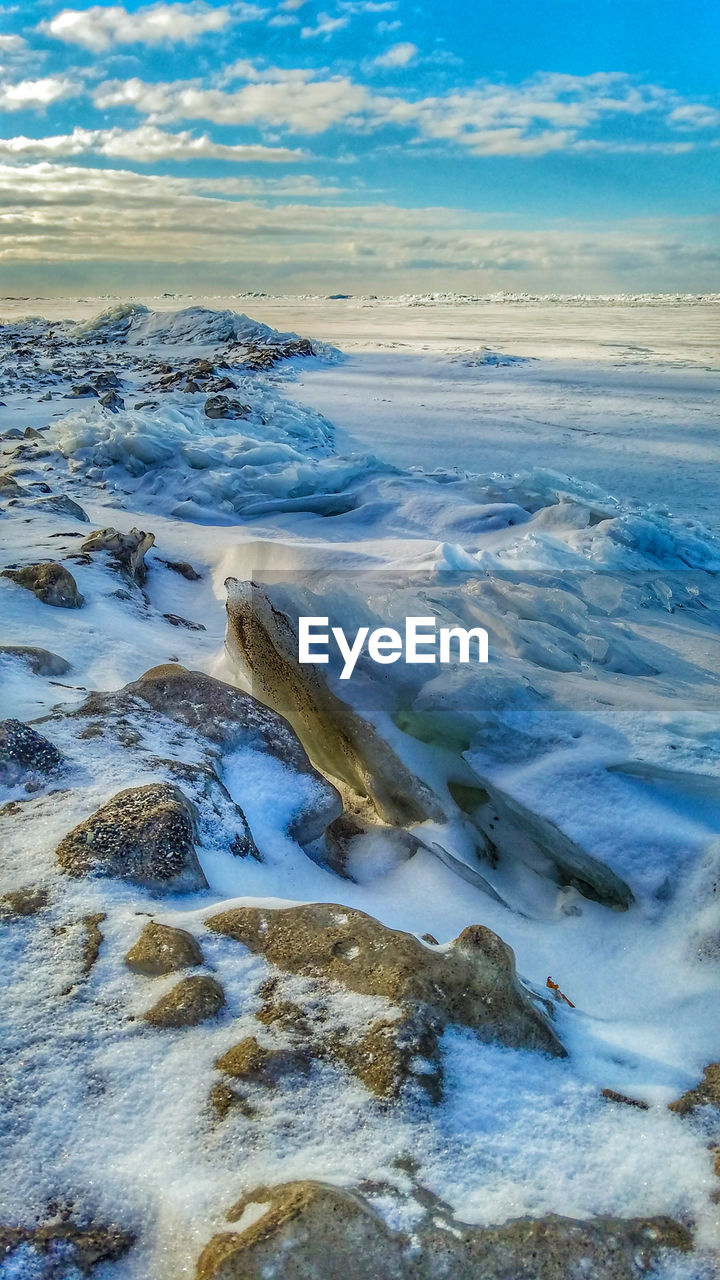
(419, 968)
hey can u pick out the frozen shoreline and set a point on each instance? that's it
(581, 688)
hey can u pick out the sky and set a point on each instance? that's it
(346, 146)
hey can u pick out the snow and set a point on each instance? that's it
(564, 500)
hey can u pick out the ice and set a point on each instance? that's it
(558, 496)
(134, 324)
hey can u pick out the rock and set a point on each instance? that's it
(313, 1231)
(65, 506)
(50, 582)
(286, 1015)
(24, 753)
(176, 621)
(192, 1001)
(40, 661)
(263, 641)
(183, 568)
(705, 1094)
(30, 453)
(12, 434)
(322, 1231)
(623, 1100)
(255, 1064)
(222, 407)
(31, 434)
(92, 942)
(112, 401)
(385, 1054)
(126, 550)
(224, 1100)
(163, 949)
(105, 380)
(81, 389)
(343, 843)
(214, 802)
(390, 1055)
(28, 901)
(474, 984)
(227, 718)
(61, 1249)
(144, 835)
(9, 487)
(513, 830)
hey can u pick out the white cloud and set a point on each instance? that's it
(36, 95)
(254, 72)
(548, 113)
(302, 185)
(144, 145)
(305, 107)
(53, 213)
(694, 115)
(367, 6)
(398, 55)
(635, 148)
(325, 27)
(16, 54)
(101, 27)
(12, 45)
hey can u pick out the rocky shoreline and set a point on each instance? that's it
(180, 1013)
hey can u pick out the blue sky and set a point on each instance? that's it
(360, 145)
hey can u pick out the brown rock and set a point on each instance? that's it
(263, 641)
(126, 550)
(286, 1015)
(144, 835)
(27, 901)
(9, 487)
(183, 568)
(176, 620)
(312, 1231)
(50, 582)
(705, 1094)
(222, 407)
(40, 661)
(472, 985)
(385, 1055)
(390, 1055)
(223, 1100)
(623, 1100)
(61, 1248)
(342, 834)
(93, 941)
(25, 753)
(163, 949)
(191, 1001)
(227, 718)
(63, 505)
(256, 1064)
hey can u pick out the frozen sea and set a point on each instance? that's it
(564, 453)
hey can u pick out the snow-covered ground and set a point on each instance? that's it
(545, 468)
